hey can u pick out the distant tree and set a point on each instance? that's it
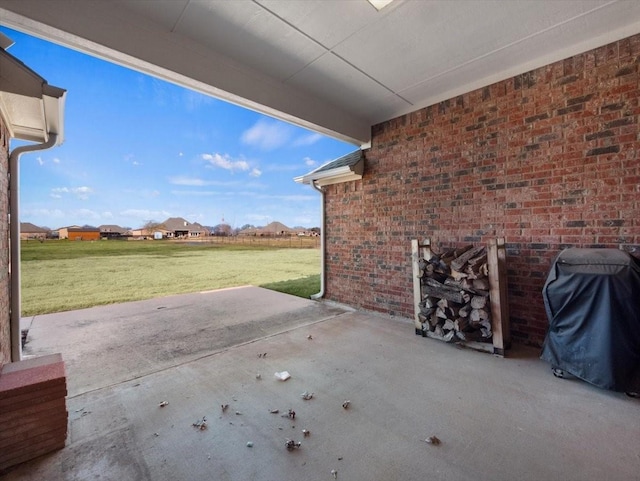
(247, 226)
(222, 230)
(87, 226)
(315, 229)
(151, 226)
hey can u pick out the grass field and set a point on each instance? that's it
(62, 275)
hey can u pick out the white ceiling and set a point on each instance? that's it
(336, 66)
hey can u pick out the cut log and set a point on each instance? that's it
(486, 323)
(430, 302)
(434, 288)
(478, 315)
(460, 324)
(482, 284)
(459, 262)
(464, 310)
(457, 275)
(448, 325)
(427, 311)
(478, 302)
(448, 337)
(477, 261)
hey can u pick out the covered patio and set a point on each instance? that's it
(496, 418)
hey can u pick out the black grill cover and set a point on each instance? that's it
(592, 300)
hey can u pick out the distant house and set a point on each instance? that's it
(277, 229)
(274, 229)
(32, 231)
(111, 231)
(177, 227)
(79, 233)
(63, 232)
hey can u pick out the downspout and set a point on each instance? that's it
(320, 294)
(14, 241)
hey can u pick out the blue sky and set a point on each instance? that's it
(138, 148)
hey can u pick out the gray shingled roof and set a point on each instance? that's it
(348, 160)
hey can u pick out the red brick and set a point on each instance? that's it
(49, 409)
(417, 187)
(31, 375)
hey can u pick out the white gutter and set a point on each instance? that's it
(320, 295)
(14, 239)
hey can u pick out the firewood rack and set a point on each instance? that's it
(500, 339)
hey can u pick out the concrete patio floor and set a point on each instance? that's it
(497, 419)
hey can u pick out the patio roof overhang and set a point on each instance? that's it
(337, 68)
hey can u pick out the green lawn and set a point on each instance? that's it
(62, 275)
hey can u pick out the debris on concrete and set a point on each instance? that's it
(156, 434)
(291, 414)
(163, 404)
(334, 473)
(249, 444)
(306, 395)
(432, 440)
(274, 411)
(309, 337)
(238, 413)
(258, 376)
(201, 424)
(283, 375)
(306, 433)
(291, 444)
(224, 407)
(84, 413)
(262, 355)
(346, 404)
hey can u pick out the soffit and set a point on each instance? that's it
(337, 67)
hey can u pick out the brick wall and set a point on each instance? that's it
(547, 159)
(5, 335)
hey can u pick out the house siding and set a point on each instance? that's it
(547, 159)
(5, 322)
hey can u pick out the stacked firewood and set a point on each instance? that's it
(455, 295)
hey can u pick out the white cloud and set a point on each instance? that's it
(56, 160)
(81, 193)
(267, 135)
(308, 139)
(310, 162)
(226, 162)
(255, 173)
(40, 161)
